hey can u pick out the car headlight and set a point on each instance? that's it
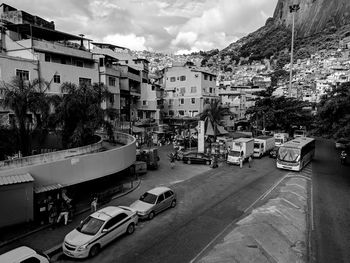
(83, 247)
(142, 213)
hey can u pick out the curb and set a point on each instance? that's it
(52, 250)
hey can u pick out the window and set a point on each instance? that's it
(211, 90)
(211, 78)
(84, 81)
(160, 198)
(57, 79)
(205, 77)
(111, 81)
(182, 101)
(204, 90)
(101, 62)
(182, 90)
(79, 63)
(47, 58)
(171, 113)
(193, 89)
(171, 101)
(22, 74)
(153, 88)
(172, 79)
(31, 260)
(168, 194)
(181, 112)
(144, 102)
(182, 78)
(193, 100)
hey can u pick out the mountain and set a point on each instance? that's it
(319, 24)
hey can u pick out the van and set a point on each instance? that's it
(23, 254)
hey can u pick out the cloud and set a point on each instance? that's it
(160, 25)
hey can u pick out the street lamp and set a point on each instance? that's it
(292, 9)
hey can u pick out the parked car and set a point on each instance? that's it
(154, 201)
(342, 144)
(195, 157)
(24, 254)
(273, 152)
(99, 229)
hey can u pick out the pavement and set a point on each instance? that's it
(273, 230)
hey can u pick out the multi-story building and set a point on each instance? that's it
(187, 89)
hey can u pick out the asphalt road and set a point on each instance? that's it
(207, 203)
(331, 199)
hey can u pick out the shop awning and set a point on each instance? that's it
(16, 179)
(46, 188)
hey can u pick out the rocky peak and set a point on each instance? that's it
(314, 15)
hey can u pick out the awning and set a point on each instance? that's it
(16, 179)
(46, 188)
(221, 130)
(210, 129)
(136, 129)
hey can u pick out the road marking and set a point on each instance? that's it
(235, 220)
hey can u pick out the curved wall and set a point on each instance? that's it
(77, 169)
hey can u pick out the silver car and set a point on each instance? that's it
(154, 201)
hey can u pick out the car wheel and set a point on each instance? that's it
(188, 161)
(173, 203)
(94, 250)
(130, 229)
(151, 216)
(207, 162)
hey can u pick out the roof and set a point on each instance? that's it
(16, 179)
(17, 253)
(106, 45)
(243, 140)
(298, 142)
(158, 190)
(107, 212)
(46, 188)
(43, 33)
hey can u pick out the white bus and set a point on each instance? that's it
(295, 154)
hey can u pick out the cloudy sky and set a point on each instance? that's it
(171, 26)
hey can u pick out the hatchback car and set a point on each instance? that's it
(154, 201)
(98, 229)
(195, 157)
(24, 254)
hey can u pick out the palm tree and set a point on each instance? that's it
(26, 98)
(212, 115)
(78, 113)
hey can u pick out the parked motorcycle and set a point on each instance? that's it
(343, 156)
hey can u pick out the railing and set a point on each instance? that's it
(50, 157)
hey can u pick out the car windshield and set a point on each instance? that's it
(90, 226)
(288, 154)
(256, 145)
(234, 154)
(279, 140)
(148, 198)
(299, 132)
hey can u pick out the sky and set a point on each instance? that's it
(168, 26)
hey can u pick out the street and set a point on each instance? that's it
(331, 194)
(207, 203)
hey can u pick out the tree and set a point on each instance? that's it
(26, 99)
(277, 75)
(212, 114)
(333, 114)
(280, 113)
(78, 113)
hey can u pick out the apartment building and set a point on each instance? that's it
(187, 89)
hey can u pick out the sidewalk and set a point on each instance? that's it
(46, 239)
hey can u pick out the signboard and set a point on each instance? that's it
(201, 132)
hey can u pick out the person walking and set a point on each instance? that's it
(64, 212)
(241, 162)
(94, 204)
(172, 160)
(250, 161)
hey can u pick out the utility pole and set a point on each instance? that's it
(292, 9)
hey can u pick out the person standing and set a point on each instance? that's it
(250, 161)
(94, 204)
(241, 162)
(64, 212)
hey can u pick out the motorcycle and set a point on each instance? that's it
(343, 159)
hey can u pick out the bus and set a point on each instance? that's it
(295, 154)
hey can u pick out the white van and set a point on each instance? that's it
(22, 255)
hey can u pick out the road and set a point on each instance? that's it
(207, 203)
(331, 199)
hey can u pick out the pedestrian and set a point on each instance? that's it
(250, 161)
(52, 210)
(64, 212)
(172, 160)
(241, 162)
(94, 204)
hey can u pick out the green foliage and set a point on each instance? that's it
(279, 113)
(277, 75)
(24, 98)
(79, 113)
(333, 114)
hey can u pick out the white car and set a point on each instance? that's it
(154, 201)
(23, 254)
(98, 230)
